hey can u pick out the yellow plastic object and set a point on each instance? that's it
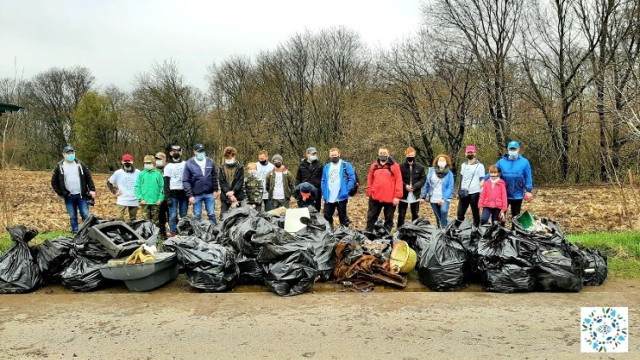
(403, 258)
(140, 256)
(526, 220)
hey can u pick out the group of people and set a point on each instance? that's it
(169, 183)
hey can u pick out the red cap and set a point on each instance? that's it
(127, 157)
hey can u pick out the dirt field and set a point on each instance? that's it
(577, 208)
(172, 324)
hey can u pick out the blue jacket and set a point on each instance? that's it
(447, 185)
(517, 174)
(346, 182)
(195, 183)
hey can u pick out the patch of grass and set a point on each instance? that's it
(5, 240)
(622, 250)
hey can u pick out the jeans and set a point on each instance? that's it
(402, 211)
(493, 213)
(209, 205)
(441, 212)
(464, 203)
(330, 209)
(267, 205)
(375, 207)
(179, 203)
(75, 203)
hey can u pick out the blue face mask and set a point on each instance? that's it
(513, 153)
(200, 156)
(70, 157)
(313, 157)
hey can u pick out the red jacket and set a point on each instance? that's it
(494, 195)
(384, 182)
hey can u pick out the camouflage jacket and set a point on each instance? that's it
(253, 189)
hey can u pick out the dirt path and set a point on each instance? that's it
(175, 324)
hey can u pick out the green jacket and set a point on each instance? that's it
(150, 186)
(288, 182)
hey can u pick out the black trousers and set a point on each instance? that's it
(163, 217)
(464, 203)
(375, 207)
(516, 206)
(402, 211)
(330, 209)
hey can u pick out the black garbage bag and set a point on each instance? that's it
(290, 268)
(147, 230)
(416, 233)
(53, 257)
(83, 274)
(87, 247)
(251, 271)
(556, 271)
(322, 244)
(19, 272)
(516, 276)
(469, 237)
(530, 241)
(209, 267)
(441, 264)
(502, 269)
(378, 232)
(596, 269)
(251, 234)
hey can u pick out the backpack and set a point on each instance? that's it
(354, 189)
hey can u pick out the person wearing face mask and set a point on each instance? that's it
(413, 178)
(310, 170)
(280, 184)
(384, 189)
(338, 178)
(174, 189)
(149, 189)
(493, 199)
(231, 177)
(163, 215)
(72, 181)
(264, 168)
(472, 174)
(516, 173)
(438, 188)
(253, 187)
(122, 184)
(200, 183)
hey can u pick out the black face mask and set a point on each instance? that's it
(175, 156)
(383, 158)
(277, 164)
(411, 159)
(471, 157)
(335, 160)
(263, 162)
(128, 166)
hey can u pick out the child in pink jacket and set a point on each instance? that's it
(493, 198)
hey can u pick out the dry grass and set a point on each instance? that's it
(579, 209)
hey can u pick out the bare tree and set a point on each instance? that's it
(487, 29)
(172, 109)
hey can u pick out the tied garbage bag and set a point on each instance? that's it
(417, 233)
(147, 230)
(83, 274)
(253, 232)
(595, 272)
(441, 265)
(53, 257)
(205, 230)
(19, 272)
(209, 267)
(290, 269)
(502, 269)
(557, 272)
(322, 245)
(251, 271)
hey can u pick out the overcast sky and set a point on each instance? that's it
(118, 39)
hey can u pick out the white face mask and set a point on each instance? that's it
(159, 163)
(148, 166)
(442, 164)
(253, 172)
(230, 161)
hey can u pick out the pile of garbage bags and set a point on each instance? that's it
(249, 247)
(536, 258)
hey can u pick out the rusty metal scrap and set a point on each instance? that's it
(365, 271)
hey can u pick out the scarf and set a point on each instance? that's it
(443, 173)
